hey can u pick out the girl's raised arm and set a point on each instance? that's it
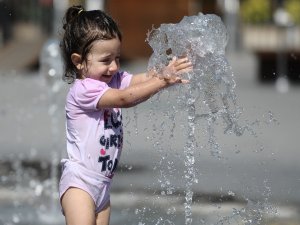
(143, 86)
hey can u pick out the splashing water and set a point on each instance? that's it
(203, 40)
(210, 96)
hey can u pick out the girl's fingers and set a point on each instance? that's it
(177, 67)
(184, 70)
(182, 63)
(173, 61)
(183, 66)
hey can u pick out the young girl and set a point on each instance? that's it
(91, 49)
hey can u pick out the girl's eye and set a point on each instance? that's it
(106, 61)
(109, 60)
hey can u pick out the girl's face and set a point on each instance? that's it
(103, 60)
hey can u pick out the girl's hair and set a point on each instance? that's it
(81, 29)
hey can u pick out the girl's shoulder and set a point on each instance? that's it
(124, 73)
(87, 86)
(85, 93)
(88, 83)
(121, 74)
(120, 80)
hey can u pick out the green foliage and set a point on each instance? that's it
(256, 11)
(293, 8)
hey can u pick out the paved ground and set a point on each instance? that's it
(265, 167)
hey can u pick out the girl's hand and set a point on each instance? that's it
(176, 67)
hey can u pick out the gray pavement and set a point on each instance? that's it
(261, 167)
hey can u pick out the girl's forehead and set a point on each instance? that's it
(106, 46)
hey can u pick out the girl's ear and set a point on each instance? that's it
(77, 61)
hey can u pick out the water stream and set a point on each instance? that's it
(210, 96)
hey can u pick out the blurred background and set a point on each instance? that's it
(264, 52)
(268, 29)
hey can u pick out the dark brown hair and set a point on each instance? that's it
(81, 29)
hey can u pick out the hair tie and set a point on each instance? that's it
(80, 11)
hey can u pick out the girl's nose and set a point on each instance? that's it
(114, 65)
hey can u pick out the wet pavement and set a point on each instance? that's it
(262, 168)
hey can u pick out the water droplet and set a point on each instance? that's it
(171, 210)
(52, 72)
(38, 190)
(230, 193)
(15, 218)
